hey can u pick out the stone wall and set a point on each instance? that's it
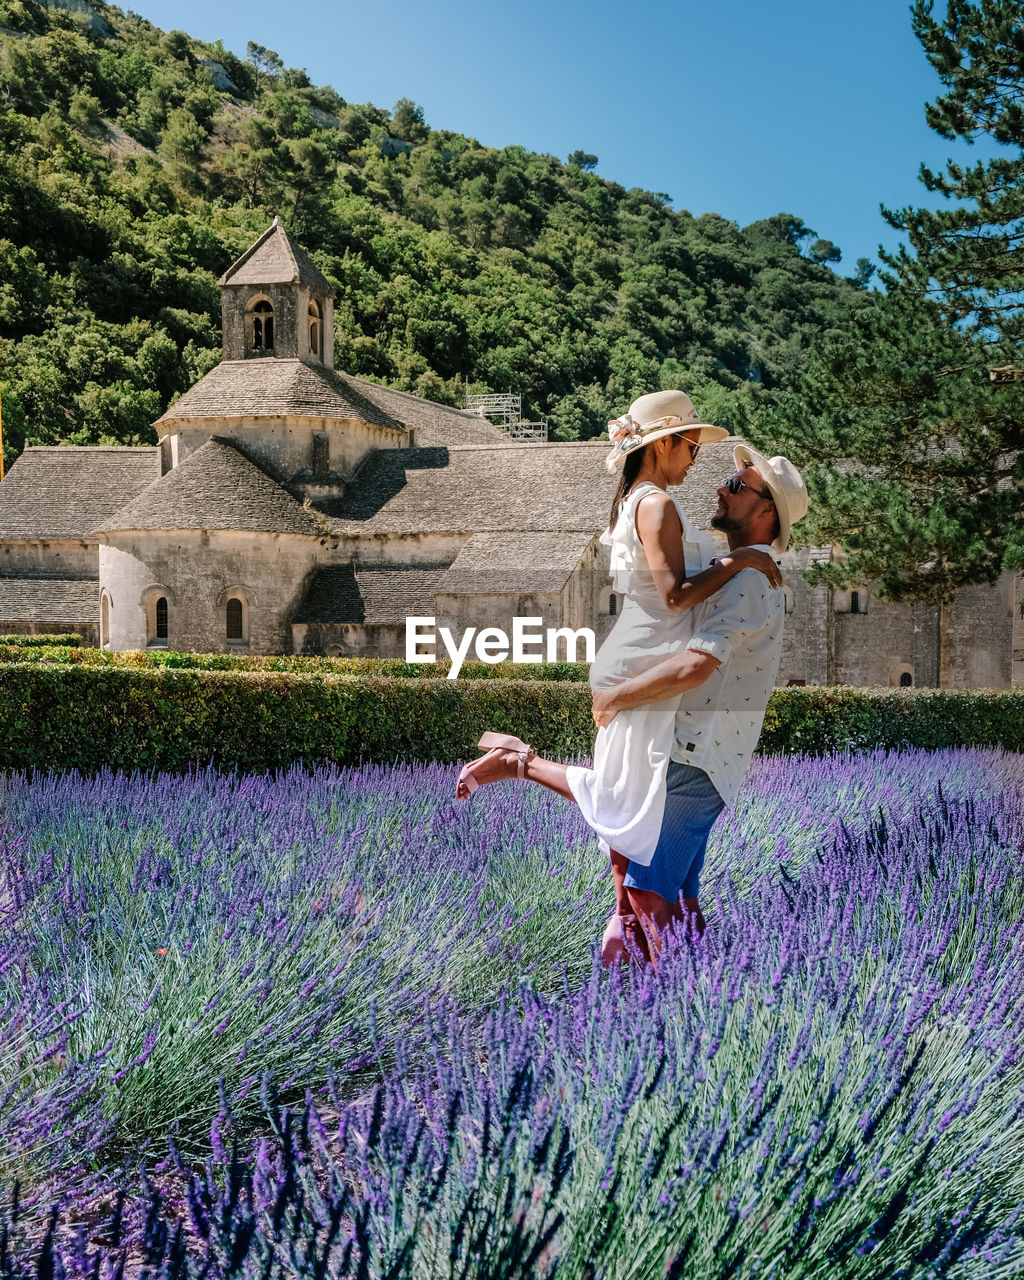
(808, 635)
(196, 572)
(52, 558)
(379, 551)
(291, 322)
(977, 637)
(348, 640)
(874, 646)
(89, 631)
(283, 446)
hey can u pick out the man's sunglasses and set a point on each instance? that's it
(735, 483)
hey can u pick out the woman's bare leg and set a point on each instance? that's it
(624, 939)
(505, 764)
(657, 916)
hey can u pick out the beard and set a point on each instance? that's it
(724, 522)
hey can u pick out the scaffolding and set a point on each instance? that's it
(505, 410)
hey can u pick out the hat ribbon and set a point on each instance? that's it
(627, 435)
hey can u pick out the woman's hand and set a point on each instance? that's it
(602, 708)
(762, 561)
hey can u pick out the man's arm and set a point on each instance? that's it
(682, 671)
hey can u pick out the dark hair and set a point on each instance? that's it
(630, 471)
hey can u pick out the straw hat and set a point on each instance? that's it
(785, 484)
(660, 413)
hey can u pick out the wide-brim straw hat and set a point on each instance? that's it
(657, 414)
(785, 484)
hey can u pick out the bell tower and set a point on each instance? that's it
(275, 304)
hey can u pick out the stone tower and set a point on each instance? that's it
(274, 302)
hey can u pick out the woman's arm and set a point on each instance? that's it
(661, 532)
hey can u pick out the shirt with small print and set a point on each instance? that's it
(718, 723)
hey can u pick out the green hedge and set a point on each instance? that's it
(66, 640)
(85, 717)
(166, 658)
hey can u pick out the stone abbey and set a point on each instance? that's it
(290, 507)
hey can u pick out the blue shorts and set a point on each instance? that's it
(691, 806)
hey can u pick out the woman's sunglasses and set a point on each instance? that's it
(735, 483)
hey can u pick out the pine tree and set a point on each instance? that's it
(912, 428)
(969, 255)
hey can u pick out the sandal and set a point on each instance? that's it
(490, 743)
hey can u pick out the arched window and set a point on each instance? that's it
(235, 619)
(104, 620)
(161, 620)
(315, 333)
(906, 680)
(613, 605)
(902, 676)
(263, 327)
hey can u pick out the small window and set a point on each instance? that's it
(161, 620)
(902, 676)
(235, 619)
(315, 331)
(906, 680)
(263, 327)
(797, 684)
(321, 456)
(613, 605)
(855, 602)
(104, 621)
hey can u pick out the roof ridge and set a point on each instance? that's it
(409, 395)
(72, 449)
(301, 262)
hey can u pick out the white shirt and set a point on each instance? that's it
(718, 723)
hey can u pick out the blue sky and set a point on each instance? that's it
(744, 108)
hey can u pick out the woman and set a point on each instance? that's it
(661, 564)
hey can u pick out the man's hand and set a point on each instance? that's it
(675, 675)
(603, 707)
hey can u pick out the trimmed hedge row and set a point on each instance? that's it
(86, 717)
(81, 717)
(66, 640)
(166, 658)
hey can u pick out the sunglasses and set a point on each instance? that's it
(735, 483)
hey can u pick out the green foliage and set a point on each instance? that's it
(130, 183)
(80, 716)
(915, 456)
(920, 503)
(67, 640)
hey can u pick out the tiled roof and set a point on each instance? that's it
(515, 563)
(56, 491)
(216, 487)
(475, 489)
(275, 258)
(267, 387)
(526, 487)
(341, 594)
(434, 424)
(49, 600)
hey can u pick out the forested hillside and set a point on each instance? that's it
(138, 164)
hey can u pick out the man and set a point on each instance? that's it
(725, 676)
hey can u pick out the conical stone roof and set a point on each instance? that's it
(275, 258)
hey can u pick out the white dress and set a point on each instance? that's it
(623, 796)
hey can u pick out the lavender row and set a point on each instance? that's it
(423, 1070)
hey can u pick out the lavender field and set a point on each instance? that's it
(336, 1025)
